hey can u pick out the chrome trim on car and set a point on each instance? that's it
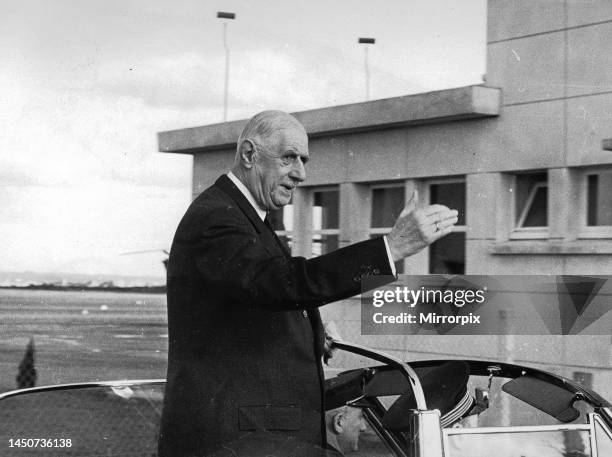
(517, 429)
(407, 370)
(606, 415)
(78, 385)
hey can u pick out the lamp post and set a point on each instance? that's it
(226, 16)
(367, 41)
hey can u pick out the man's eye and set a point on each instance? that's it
(289, 159)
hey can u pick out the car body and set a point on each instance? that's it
(428, 409)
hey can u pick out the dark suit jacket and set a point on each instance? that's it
(245, 334)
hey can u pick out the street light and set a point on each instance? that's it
(227, 16)
(367, 41)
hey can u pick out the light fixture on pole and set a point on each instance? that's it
(226, 16)
(367, 41)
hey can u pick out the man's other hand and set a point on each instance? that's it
(331, 334)
(416, 228)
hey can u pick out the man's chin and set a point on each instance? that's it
(280, 202)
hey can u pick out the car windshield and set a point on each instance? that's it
(83, 421)
(517, 443)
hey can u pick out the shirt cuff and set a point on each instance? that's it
(391, 263)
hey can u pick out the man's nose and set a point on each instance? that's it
(298, 171)
(364, 426)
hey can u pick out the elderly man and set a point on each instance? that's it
(245, 334)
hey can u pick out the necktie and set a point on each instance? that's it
(281, 243)
(267, 222)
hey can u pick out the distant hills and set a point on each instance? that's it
(75, 281)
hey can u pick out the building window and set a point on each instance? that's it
(530, 205)
(282, 222)
(595, 209)
(387, 204)
(599, 199)
(447, 255)
(325, 221)
(531, 200)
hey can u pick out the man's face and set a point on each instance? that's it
(279, 167)
(354, 424)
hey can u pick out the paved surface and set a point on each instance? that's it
(83, 336)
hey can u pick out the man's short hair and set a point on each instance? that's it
(263, 125)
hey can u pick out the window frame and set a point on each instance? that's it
(322, 232)
(586, 231)
(425, 186)
(517, 231)
(382, 231)
(288, 234)
(373, 187)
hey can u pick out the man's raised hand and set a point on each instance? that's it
(416, 228)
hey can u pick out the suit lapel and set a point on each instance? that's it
(282, 245)
(227, 186)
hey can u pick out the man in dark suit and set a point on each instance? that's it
(245, 334)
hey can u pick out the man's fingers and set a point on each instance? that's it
(441, 228)
(448, 216)
(434, 209)
(442, 215)
(331, 331)
(447, 223)
(444, 231)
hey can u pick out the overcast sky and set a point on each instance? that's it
(87, 84)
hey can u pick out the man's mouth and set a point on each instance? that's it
(289, 187)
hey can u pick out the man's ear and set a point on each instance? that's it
(247, 153)
(338, 423)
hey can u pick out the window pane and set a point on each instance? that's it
(537, 213)
(531, 200)
(599, 199)
(549, 443)
(387, 204)
(604, 441)
(322, 244)
(98, 420)
(326, 210)
(451, 195)
(447, 255)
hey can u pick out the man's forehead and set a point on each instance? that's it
(292, 139)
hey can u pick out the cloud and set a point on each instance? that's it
(185, 81)
(80, 176)
(276, 76)
(44, 228)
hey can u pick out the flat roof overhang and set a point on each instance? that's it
(469, 102)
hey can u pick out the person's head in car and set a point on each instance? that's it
(344, 426)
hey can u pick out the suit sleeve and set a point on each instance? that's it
(231, 259)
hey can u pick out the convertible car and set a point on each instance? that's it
(452, 408)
